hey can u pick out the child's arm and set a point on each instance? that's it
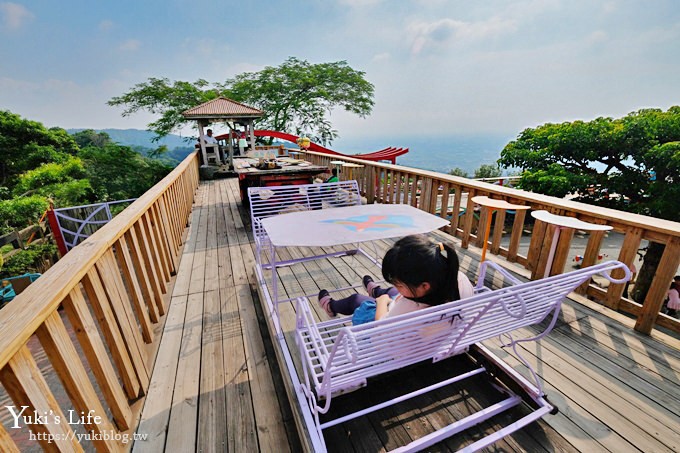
(382, 303)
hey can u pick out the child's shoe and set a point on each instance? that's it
(325, 302)
(369, 284)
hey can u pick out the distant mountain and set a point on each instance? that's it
(137, 137)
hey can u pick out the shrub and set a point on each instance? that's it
(21, 212)
(31, 259)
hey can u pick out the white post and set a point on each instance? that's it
(230, 148)
(251, 126)
(202, 142)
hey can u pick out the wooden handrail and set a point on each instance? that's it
(115, 279)
(429, 191)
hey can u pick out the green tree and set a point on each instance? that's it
(631, 164)
(296, 97)
(21, 212)
(459, 172)
(167, 99)
(488, 171)
(90, 137)
(117, 172)
(27, 144)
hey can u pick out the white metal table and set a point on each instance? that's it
(343, 225)
(562, 223)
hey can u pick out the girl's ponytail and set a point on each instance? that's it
(452, 267)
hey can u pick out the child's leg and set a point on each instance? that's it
(347, 305)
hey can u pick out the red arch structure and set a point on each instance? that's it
(389, 154)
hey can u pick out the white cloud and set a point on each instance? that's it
(359, 3)
(105, 25)
(385, 56)
(597, 37)
(130, 45)
(14, 16)
(447, 31)
(610, 7)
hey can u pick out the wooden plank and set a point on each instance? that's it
(197, 282)
(184, 409)
(621, 406)
(157, 260)
(154, 229)
(122, 254)
(468, 217)
(240, 422)
(484, 215)
(444, 209)
(627, 255)
(147, 257)
(68, 366)
(114, 340)
(183, 280)
(120, 306)
(590, 255)
(172, 228)
(212, 277)
(271, 433)
(147, 288)
(658, 380)
(98, 358)
(562, 251)
(457, 197)
(498, 227)
(163, 237)
(213, 416)
(575, 404)
(224, 261)
(7, 445)
(516, 234)
(26, 385)
(158, 403)
(414, 189)
(670, 260)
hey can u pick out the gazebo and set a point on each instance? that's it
(231, 113)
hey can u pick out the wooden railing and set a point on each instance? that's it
(451, 197)
(111, 289)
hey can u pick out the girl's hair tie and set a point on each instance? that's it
(441, 246)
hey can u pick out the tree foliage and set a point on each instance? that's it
(27, 144)
(117, 172)
(631, 163)
(167, 99)
(488, 171)
(459, 172)
(296, 97)
(18, 213)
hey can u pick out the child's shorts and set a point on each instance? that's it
(365, 313)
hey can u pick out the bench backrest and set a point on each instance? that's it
(367, 350)
(275, 200)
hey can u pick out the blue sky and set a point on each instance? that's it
(439, 67)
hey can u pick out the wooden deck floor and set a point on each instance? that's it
(216, 385)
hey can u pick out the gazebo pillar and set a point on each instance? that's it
(204, 153)
(251, 128)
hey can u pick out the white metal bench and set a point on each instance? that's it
(338, 357)
(275, 200)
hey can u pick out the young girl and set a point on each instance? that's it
(424, 273)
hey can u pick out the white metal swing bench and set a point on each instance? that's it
(338, 357)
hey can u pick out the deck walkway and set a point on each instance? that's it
(216, 385)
